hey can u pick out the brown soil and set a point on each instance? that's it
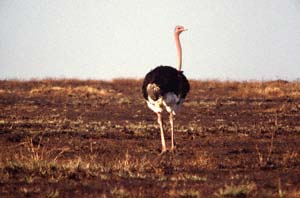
(72, 138)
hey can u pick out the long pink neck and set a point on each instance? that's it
(179, 51)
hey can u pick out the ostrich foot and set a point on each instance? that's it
(163, 151)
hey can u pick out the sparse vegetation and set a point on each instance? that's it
(239, 191)
(64, 138)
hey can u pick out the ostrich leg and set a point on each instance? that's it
(172, 131)
(163, 142)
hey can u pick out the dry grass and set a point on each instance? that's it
(83, 90)
(238, 191)
(249, 89)
(245, 89)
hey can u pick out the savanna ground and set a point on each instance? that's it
(72, 138)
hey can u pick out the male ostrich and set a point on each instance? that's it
(165, 88)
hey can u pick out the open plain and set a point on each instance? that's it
(88, 138)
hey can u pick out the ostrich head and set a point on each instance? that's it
(179, 29)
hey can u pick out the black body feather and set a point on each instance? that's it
(168, 79)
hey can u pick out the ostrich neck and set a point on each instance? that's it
(179, 51)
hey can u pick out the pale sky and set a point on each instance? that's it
(106, 39)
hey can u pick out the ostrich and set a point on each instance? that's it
(165, 88)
